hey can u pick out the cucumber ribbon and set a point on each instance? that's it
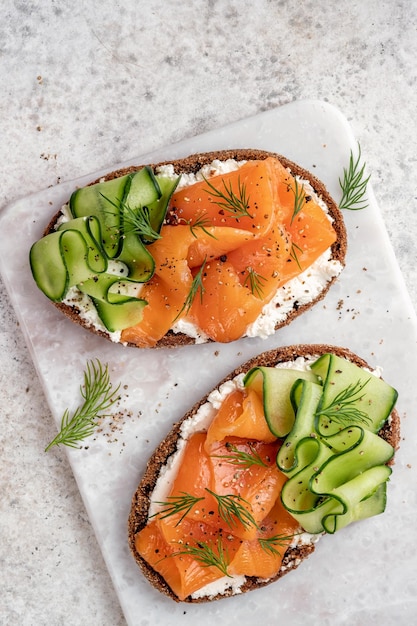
(77, 254)
(334, 459)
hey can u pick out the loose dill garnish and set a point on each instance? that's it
(354, 184)
(238, 204)
(196, 287)
(202, 222)
(295, 249)
(207, 555)
(255, 282)
(232, 511)
(99, 396)
(271, 545)
(299, 198)
(177, 504)
(343, 407)
(241, 458)
(136, 220)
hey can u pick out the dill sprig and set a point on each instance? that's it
(207, 555)
(271, 545)
(295, 249)
(241, 458)
(255, 282)
(232, 511)
(201, 221)
(299, 198)
(99, 396)
(354, 184)
(136, 220)
(177, 504)
(236, 203)
(343, 407)
(196, 287)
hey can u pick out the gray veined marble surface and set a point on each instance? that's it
(87, 86)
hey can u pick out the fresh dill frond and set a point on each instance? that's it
(136, 220)
(272, 545)
(99, 396)
(232, 511)
(299, 198)
(202, 222)
(343, 408)
(182, 503)
(236, 203)
(255, 282)
(240, 458)
(353, 184)
(295, 249)
(196, 287)
(207, 555)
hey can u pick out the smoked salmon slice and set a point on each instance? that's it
(236, 238)
(241, 414)
(183, 573)
(241, 199)
(262, 556)
(223, 514)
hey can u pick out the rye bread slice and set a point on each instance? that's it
(193, 164)
(142, 498)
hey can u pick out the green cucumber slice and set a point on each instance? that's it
(351, 395)
(158, 208)
(336, 466)
(48, 267)
(116, 310)
(351, 495)
(66, 257)
(118, 316)
(304, 425)
(138, 259)
(90, 229)
(275, 384)
(142, 188)
(148, 195)
(102, 200)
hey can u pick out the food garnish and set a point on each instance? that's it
(99, 396)
(229, 200)
(299, 198)
(205, 554)
(181, 503)
(255, 282)
(242, 458)
(354, 184)
(197, 286)
(232, 509)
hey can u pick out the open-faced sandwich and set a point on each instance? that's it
(213, 247)
(293, 445)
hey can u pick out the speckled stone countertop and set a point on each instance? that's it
(86, 85)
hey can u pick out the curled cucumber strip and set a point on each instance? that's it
(331, 484)
(68, 256)
(337, 471)
(77, 254)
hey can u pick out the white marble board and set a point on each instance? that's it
(366, 573)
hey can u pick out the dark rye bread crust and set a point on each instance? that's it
(141, 500)
(192, 164)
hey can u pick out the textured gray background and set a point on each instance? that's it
(83, 88)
